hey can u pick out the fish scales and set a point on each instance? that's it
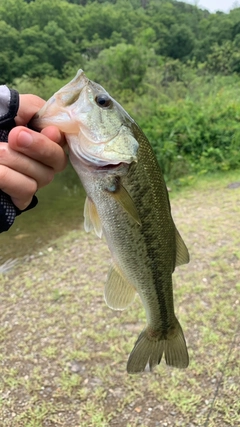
(128, 202)
(140, 251)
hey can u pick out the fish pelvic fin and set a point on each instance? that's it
(118, 292)
(151, 345)
(91, 218)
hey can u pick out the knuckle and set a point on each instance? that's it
(4, 151)
(62, 162)
(61, 166)
(32, 188)
(3, 174)
(48, 177)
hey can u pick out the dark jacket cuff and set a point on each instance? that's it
(8, 107)
(9, 104)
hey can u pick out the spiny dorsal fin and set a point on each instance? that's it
(118, 292)
(121, 195)
(182, 255)
(91, 218)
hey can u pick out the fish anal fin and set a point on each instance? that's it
(91, 218)
(182, 255)
(121, 195)
(118, 292)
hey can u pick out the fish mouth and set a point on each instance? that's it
(120, 168)
(110, 167)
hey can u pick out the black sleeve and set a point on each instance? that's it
(9, 103)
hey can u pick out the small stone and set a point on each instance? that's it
(76, 367)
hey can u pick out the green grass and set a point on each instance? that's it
(63, 352)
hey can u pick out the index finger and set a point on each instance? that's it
(28, 106)
(37, 146)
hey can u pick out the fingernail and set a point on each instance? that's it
(25, 139)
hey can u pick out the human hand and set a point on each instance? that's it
(30, 159)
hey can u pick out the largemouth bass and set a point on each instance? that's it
(128, 202)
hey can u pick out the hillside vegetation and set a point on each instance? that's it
(174, 67)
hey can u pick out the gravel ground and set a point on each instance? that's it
(63, 352)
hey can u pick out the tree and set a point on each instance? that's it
(120, 67)
(181, 42)
(224, 59)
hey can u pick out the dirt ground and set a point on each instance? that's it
(63, 352)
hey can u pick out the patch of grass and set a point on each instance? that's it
(68, 382)
(35, 416)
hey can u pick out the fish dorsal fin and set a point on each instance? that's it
(182, 255)
(118, 292)
(121, 195)
(91, 218)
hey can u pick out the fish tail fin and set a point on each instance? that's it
(151, 345)
(176, 353)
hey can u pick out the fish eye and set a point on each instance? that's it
(103, 101)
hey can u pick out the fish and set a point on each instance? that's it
(127, 202)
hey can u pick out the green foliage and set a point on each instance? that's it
(65, 33)
(224, 59)
(120, 67)
(59, 32)
(181, 42)
(192, 123)
(175, 67)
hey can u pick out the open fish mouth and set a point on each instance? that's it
(118, 169)
(110, 167)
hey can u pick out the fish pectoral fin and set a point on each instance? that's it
(182, 255)
(91, 218)
(121, 195)
(118, 292)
